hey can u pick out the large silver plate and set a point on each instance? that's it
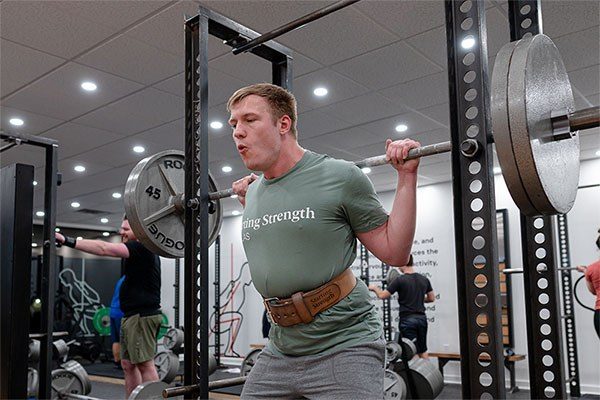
(154, 206)
(501, 130)
(394, 387)
(538, 84)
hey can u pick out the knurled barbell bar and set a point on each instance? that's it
(534, 126)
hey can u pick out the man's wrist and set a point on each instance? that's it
(70, 242)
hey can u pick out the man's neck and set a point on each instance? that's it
(409, 270)
(290, 155)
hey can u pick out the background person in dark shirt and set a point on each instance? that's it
(140, 301)
(414, 290)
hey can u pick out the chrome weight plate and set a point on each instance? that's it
(33, 380)
(167, 365)
(501, 130)
(409, 348)
(149, 391)
(173, 339)
(249, 362)
(391, 275)
(428, 380)
(538, 85)
(65, 382)
(154, 203)
(394, 387)
(393, 351)
(34, 350)
(76, 368)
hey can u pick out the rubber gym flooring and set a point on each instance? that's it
(107, 384)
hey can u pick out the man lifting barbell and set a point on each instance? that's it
(299, 229)
(140, 301)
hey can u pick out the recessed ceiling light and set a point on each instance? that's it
(16, 121)
(497, 170)
(75, 204)
(366, 170)
(226, 168)
(33, 244)
(34, 183)
(598, 153)
(235, 212)
(468, 42)
(39, 213)
(105, 234)
(79, 168)
(89, 86)
(320, 91)
(104, 220)
(79, 238)
(116, 195)
(234, 196)
(56, 229)
(401, 128)
(139, 149)
(216, 124)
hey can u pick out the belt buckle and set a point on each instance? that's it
(267, 303)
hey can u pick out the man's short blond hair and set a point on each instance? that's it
(280, 100)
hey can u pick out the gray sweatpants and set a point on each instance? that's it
(352, 373)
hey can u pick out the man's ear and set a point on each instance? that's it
(285, 124)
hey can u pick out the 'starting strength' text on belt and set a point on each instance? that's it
(302, 307)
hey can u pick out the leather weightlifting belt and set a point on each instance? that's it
(302, 307)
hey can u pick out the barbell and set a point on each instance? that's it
(535, 129)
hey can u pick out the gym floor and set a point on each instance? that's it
(113, 388)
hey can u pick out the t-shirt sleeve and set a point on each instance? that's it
(135, 248)
(429, 288)
(360, 202)
(393, 286)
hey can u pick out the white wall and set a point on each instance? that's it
(434, 251)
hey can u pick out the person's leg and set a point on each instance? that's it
(115, 334)
(408, 330)
(147, 370)
(271, 377)
(597, 322)
(133, 377)
(356, 372)
(421, 342)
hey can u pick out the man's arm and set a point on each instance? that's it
(391, 242)
(98, 247)
(382, 294)
(430, 297)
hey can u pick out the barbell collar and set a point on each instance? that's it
(586, 118)
(469, 148)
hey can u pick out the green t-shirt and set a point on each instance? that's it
(298, 232)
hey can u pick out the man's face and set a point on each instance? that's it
(255, 132)
(126, 232)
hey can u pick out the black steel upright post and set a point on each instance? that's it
(16, 213)
(544, 339)
(48, 273)
(386, 308)
(217, 305)
(479, 303)
(196, 213)
(177, 290)
(364, 264)
(567, 307)
(198, 204)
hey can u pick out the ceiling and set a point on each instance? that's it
(384, 63)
